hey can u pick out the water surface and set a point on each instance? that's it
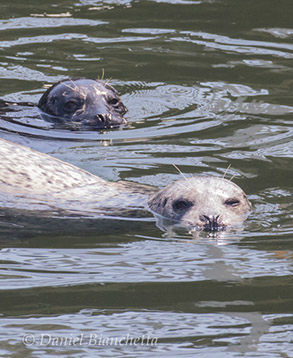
(208, 86)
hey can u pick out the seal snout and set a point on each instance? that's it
(109, 119)
(211, 222)
(103, 119)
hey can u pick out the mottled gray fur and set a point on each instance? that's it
(37, 182)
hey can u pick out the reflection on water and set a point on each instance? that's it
(207, 85)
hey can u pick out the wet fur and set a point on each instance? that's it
(34, 181)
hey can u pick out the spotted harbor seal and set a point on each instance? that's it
(38, 183)
(202, 202)
(83, 104)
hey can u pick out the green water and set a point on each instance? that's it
(208, 86)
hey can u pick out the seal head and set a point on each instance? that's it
(82, 104)
(202, 203)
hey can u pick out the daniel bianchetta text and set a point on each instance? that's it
(47, 339)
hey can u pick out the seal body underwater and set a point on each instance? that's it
(83, 104)
(34, 181)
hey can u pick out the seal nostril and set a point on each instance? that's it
(204, 218)
(210, 222)
(104, 118)
(101, 118)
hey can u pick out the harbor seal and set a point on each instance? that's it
(83, 104)
(202, 203)
(39, 184)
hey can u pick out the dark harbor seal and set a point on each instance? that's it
(80, 104)
(39, 184)
(83, 104)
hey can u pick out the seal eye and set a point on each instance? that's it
(232, 202)
(113, 101)
(181, 205)
(71, 106)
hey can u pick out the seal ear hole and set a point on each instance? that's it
(232, 202)
(182, 205)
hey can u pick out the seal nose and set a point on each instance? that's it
(210, 222)
(108, 120)
(104, 118)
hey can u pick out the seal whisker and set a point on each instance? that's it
(179, 171)
(78, 89)
(108, 80)
(103, 74)
(184, 176)
(226, 171)
(232, 177)
(183, 186)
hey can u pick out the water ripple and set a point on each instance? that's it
(240, 46)
(27, 23)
